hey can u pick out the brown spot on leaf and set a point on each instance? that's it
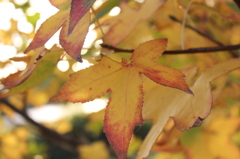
(198, 122)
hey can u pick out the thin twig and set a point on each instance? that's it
(183, 25)
(187, 51)
(202, 34)
(62, 141)
(196, 30)
(99, 25)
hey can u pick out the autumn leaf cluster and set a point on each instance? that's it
(132, 69)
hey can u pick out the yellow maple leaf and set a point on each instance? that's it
(124, 82)
(162, 103)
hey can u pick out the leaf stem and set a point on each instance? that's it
(99, 25)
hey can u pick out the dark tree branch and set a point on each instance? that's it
(62, 141)
(115, 49)
(202, 34)
(203, 49)
(238, 3)
(187, 51)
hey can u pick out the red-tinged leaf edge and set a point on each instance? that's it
(148, 52)
(78, 9)
(73, 43)
(119, 132)
(44, 33)
(17, 78)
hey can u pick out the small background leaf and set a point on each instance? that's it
(43, 69)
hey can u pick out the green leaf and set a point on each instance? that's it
(44, 68)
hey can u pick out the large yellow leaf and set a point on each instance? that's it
(162, 103)
(124, 82)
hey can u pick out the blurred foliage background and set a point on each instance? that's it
(26, 132)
